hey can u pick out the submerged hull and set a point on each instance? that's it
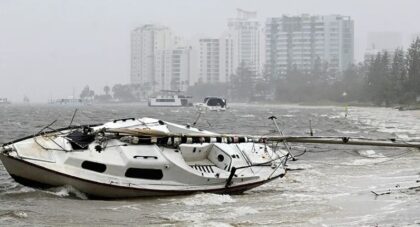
(32, 175)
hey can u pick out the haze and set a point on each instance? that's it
(51, 49)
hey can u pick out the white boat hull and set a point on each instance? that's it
(123, 167)
(35, 176)
(169, 101)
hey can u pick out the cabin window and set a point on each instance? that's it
(165, 100)
(151, 174)
(94, 166)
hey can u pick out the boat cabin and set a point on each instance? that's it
(215, 101)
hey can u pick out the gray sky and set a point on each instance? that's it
(50, 47)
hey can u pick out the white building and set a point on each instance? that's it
(173, 69)
(298, 41)
(245, 32)
(216, 59)
(159, 59)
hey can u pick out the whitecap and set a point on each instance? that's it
(335, 116)
(347, 131)
(302, 197)
(402, 136)
(207, 199)
(20, 214)
(359, 162)
(213, 224)
(240, 211)
(287, 115)
(66, 191)
(184, 216)
(247, 116)
(13, 214)
(21, 190)
(128, 207)
(370, 154)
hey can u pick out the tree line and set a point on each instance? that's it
(118, 93)
(385, 79)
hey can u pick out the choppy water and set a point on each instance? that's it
(330, 185)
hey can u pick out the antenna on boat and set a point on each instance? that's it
(273, 118)
(74, 115)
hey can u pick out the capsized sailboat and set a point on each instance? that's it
(142, 157)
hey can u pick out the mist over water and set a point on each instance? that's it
(51, 48)
(328, 185)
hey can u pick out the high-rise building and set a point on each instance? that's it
(159, 59)
(245, 32)
(216, 59)
(173, 69)
(300, 41)
(146, 41)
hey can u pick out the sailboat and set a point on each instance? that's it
(138, 157)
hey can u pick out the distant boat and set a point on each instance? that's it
(4, 101)
(404, 108)
(170, 100)
(67, 101)
(212, 104)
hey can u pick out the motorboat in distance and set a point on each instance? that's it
(169, 101)
(142, 157)
(169, 98)
(212, 104)
(4, 101)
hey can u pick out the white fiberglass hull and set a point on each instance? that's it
(115, 166)
(39, 177)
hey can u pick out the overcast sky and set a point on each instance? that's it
(50, 48)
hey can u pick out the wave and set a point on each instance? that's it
(189, 217)
(247, 116)
(67, 191)
(370, 154)
(123, 207)
(360, 162)
(13, 214)
(239, 211)
(347, 131)
(17, 190)
(203, 199)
